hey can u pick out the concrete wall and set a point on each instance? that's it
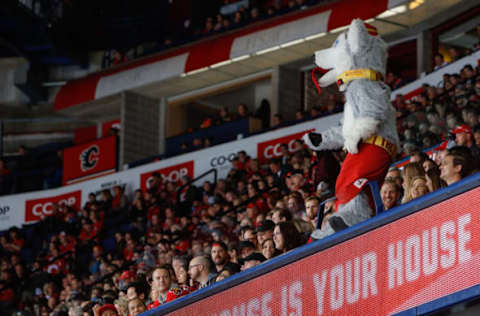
(289, 92)
(175, 120)
(12, 70)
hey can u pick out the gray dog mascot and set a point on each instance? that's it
(357, 62)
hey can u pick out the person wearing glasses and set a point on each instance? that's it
(201, 270)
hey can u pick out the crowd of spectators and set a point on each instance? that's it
(235, 14)
(134, 255)
(436, 112)
(120, 256)
(163, 244)
(448, 112)
(231, 15)
(456, 53)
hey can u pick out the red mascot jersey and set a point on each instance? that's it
(370, 163)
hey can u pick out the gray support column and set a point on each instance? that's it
(140, 133)
(13, 71)
(99, 130)
(289, 92)
(121, 136)
(424, 52)
(275, 92)
(162, 124)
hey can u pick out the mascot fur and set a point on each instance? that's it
(357, 62)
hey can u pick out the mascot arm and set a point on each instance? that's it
(331, 139)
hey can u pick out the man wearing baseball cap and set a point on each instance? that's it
(252, 260)
(105, 310)
(464, 137)
(264, 231)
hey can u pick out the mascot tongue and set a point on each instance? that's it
(314, 77)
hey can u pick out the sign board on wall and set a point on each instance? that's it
(173, 173)
(271, 148)
(38, 209)
(89, 160)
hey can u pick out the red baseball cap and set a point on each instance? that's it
(462, 129)
(442, 146)
(109, 307)
(126, 275)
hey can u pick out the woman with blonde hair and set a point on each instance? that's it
(410, 171)
(419, 187)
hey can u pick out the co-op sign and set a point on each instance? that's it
(36, 209)
(4, 209)
(219, 161)
(271, 148)
(172, 173)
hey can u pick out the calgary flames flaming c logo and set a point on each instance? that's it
(89, 158)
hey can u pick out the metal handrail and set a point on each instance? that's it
(215, 176)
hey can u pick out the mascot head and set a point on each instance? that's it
(358, 48)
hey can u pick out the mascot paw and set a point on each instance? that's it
(312, 140)
(351, 146)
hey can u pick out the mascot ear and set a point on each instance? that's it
(357, 36)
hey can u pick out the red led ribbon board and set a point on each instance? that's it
(414, 260)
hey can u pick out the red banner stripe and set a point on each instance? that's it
(217, 49)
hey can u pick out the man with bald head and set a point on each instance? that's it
(200, 270)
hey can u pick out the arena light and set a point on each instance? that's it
(54, 83)
(291, 43)
(394, 11)
(239, 58)
(314, 36)
(268, 50)
(414, 4)
(193, 72)
(339, 29)
(220, 64)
